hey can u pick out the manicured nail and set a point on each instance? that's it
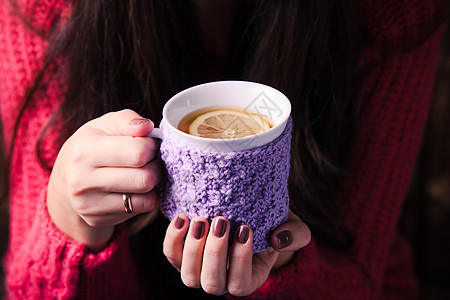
(243, 234)
(137, 122)
(284, 239)
(179, 222)
(198, 229)
(220, 226)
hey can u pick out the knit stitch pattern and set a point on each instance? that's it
(246, 187)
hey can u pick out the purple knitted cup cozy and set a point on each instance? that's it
(246, 187)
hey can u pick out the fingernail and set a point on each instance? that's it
(243, 234)
(179, 223)
(198, 229)
(220, 226)
(284, 239)
(137, 122)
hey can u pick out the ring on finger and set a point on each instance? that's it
(127, 203)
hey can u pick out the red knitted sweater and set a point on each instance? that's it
(401, 42)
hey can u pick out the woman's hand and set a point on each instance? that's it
(102, 160)
(199, 252)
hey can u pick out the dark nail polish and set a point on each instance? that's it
(220, 226)
(198, 229)
(243, 234)
(137, 122)
(179, 223)
(284, 239)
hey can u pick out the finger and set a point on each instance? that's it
(263, 263)
(100, 204)
(174, 240)
(127, 180)
(123, 151)
(106, 220)
(124, 122)
(291, 236)
(193, 252)
(239, 281)
(214, 267)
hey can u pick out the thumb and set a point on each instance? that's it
(291, 236)
(125, 122)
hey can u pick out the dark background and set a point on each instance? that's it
(426, 218)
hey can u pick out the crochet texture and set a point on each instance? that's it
(247, 187)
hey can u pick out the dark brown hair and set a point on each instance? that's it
(136, 54)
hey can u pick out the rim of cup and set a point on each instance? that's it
(232, 83)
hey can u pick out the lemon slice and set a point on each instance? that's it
(227, 124)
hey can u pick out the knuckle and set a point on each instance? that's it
(126, 111)
(125, 114)
(238, 289)
(190, 280)
(75, 182)
(80, 206)
(214, 253)
(77, 152)
(92, 222)
(144, 181)
(150, 203)
(139, 157)
(168, 254)
(212, 287)
(119, 113)
(109, 114)
(74, 185)
(196, 252)
(151, 148)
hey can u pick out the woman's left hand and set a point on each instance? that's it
(200, 253)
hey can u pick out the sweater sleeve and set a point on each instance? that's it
(46, 264)
(42, 262)
(398, 83)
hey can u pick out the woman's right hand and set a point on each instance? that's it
(102, 160)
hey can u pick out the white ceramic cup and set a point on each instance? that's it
(249, 96)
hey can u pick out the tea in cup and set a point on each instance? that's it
(224, 123)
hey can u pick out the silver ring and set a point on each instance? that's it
(127, 203)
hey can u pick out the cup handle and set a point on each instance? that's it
(156, 133)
